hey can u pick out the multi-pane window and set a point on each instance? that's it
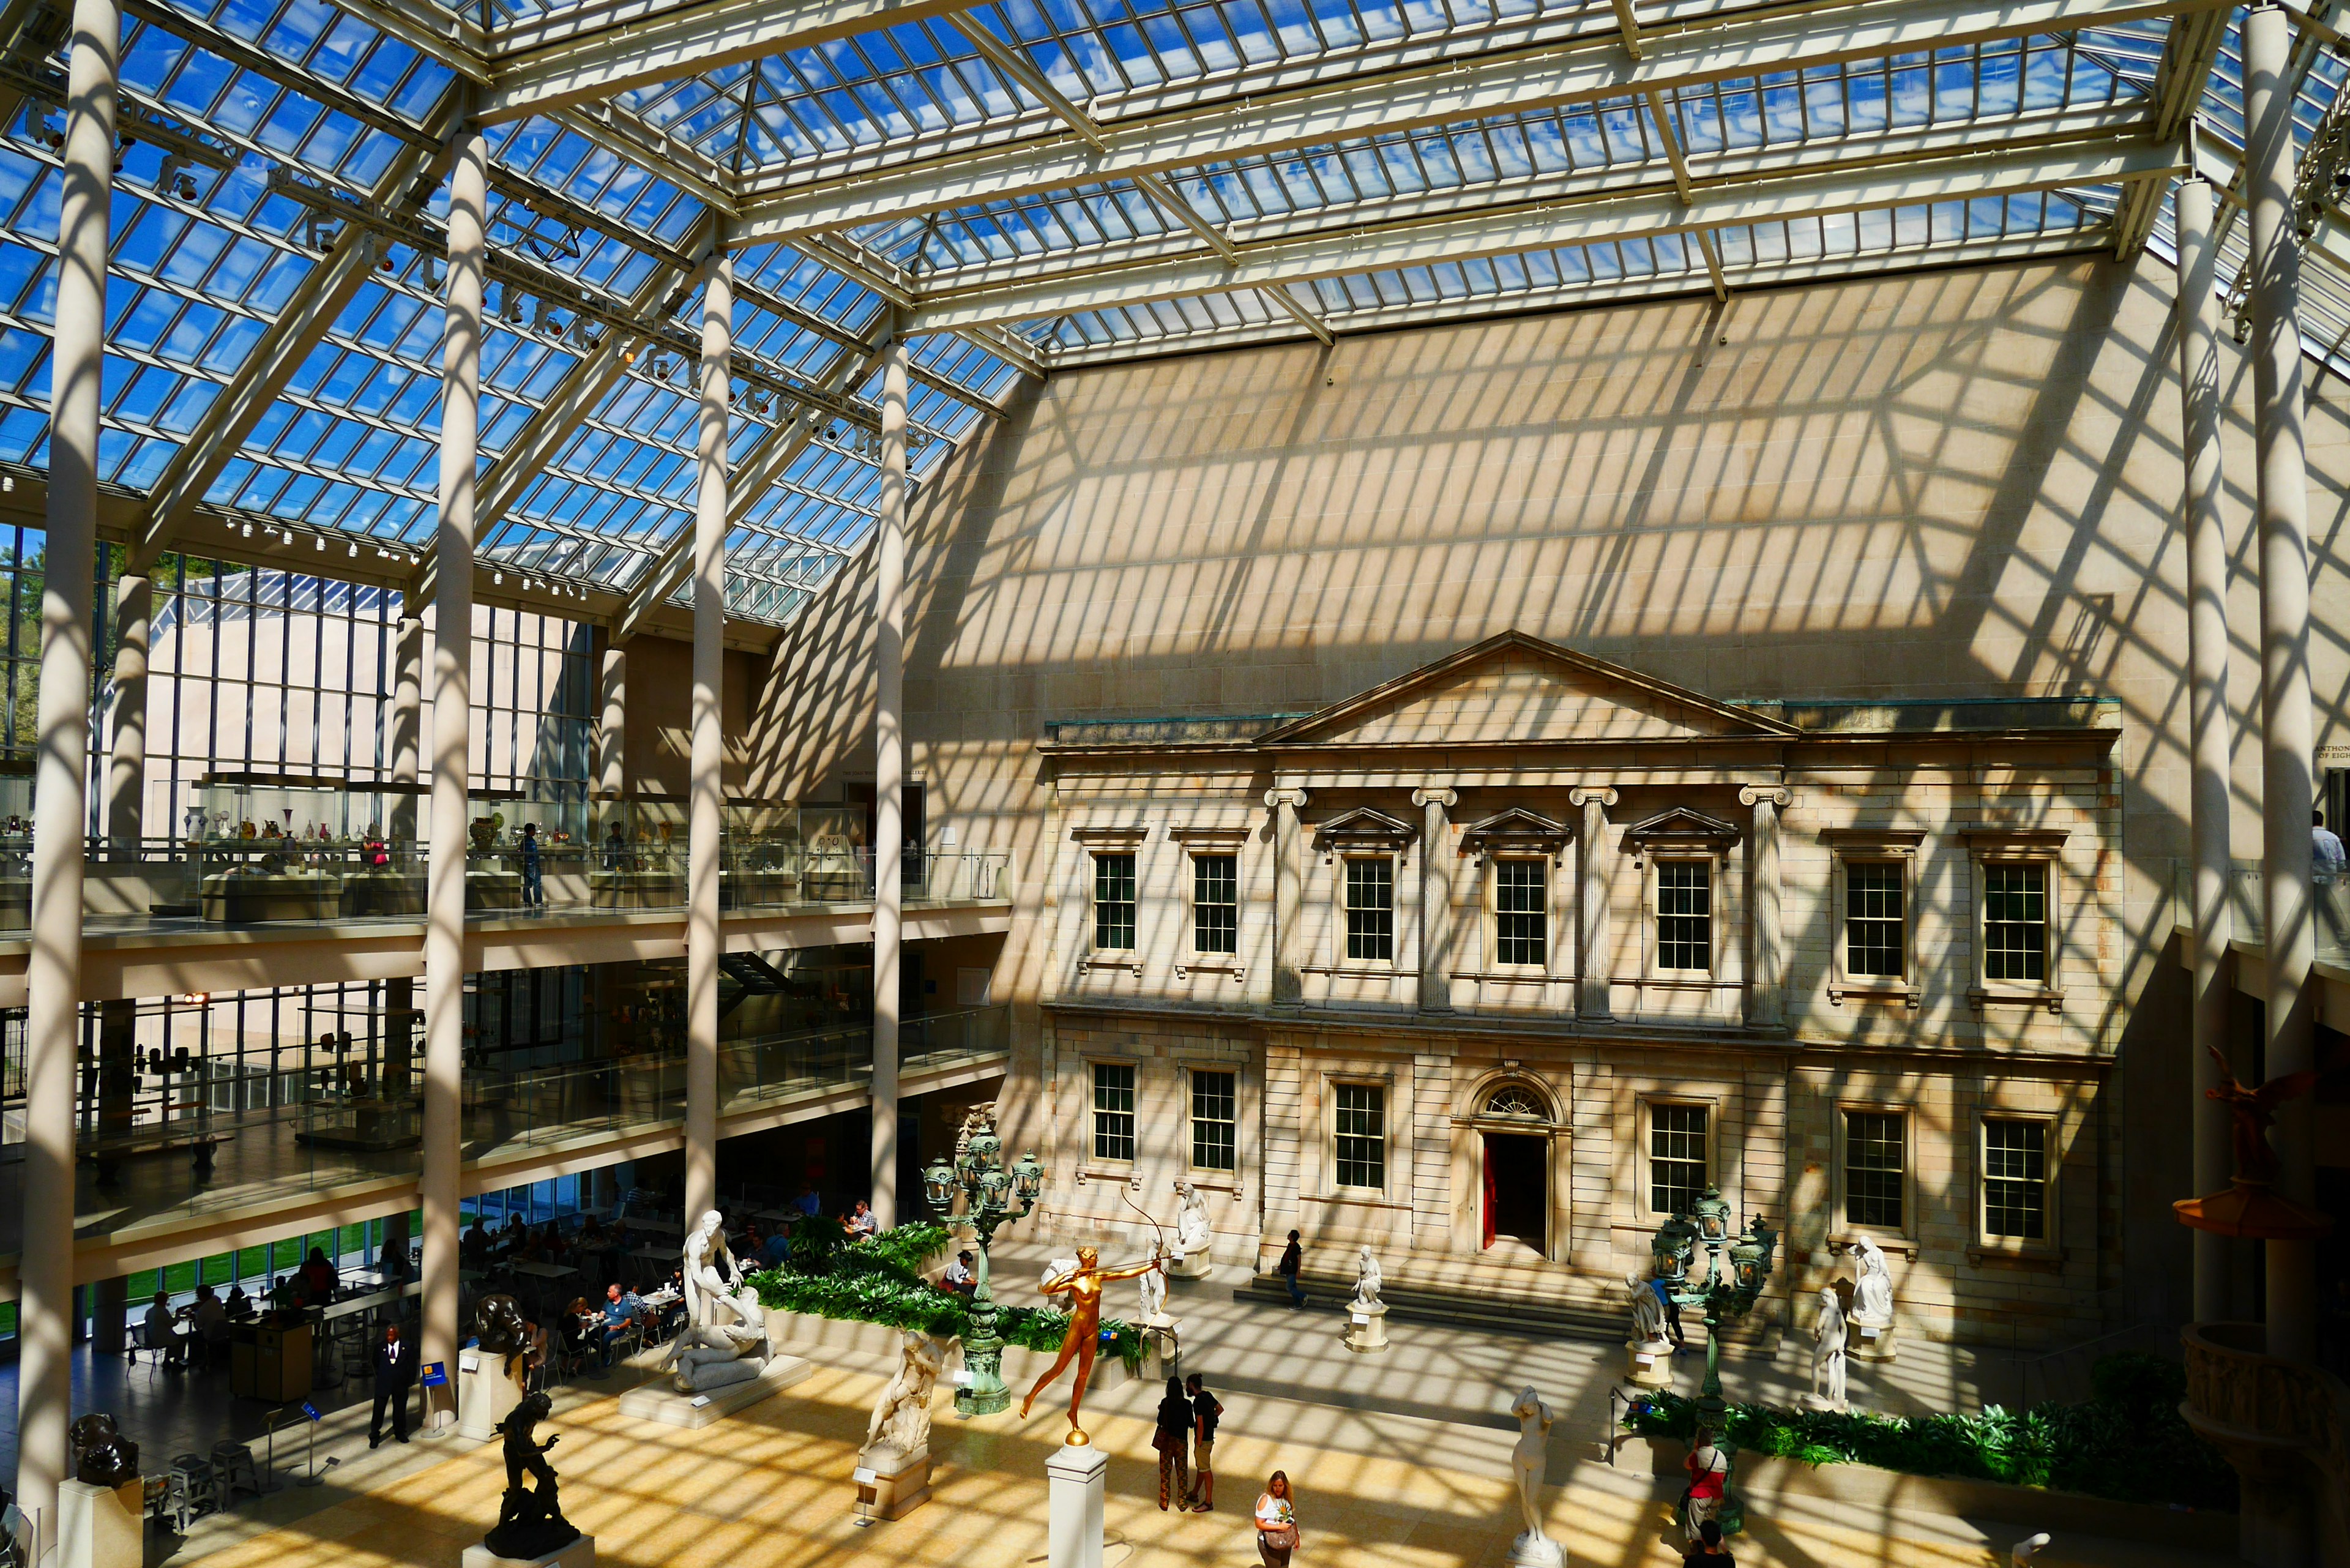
(2015, 1179)
(1873, 913)
(1113, 902)
(1370, 908)
(1114, 1110)
(1362, 1134)
(1676, 1158)
(1685, 915)
(2015, 923)
(1520, 935)
(1874, 1149)
(1215, 903)
(1215, 1119)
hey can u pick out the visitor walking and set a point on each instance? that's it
(534, 893)
(1293, 1259)
(1276, 1522)
(1707, 1550)
(395, 1375)
(1205, 1412)
(1672, 1314)
(1173, 1441)
(1709, 1474)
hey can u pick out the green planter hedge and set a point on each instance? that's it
(2129, 1442)
(881, 1281)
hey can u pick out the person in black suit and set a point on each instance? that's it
(395, 1375)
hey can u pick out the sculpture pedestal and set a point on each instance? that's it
(486, 1395)
(1869, 1341)
(1536, 1551)
(1191, 1266)
(580, 1553)
(100, 1526)
(1367, 1326)
(1649, 1366)
(890, 1485)
(659, 1400)
(1824, 1404)
(1074, 1538)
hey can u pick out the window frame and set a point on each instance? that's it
(1093, 842)
(1872, 846)
(1544, 911)
(1094, 1158)
(1204, 840)
(1192, 1122)
(2046, 1243)
(1094, 944)
(1708, 1159)
(1333, 1086)
(1343, 932)
(2041, 848)
(1841, 1196)
(1198, 853)
(1654, 956)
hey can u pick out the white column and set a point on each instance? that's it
(125, 740)
(612, 730)
(1596, 863)
(1436, 859)
(407, 732)
(2206, 692)
(705, 791)
(452, 695)
(889, 773)
(53, 976)
(2288, 739)
(1288, 885)
(1767, 1006)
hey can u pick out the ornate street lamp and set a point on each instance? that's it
(1724, 1295)
(989, 1193)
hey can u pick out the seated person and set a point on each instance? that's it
(163, 1331)
(807, 1202)
(284, 1293)
(958, 1277)
(210, 1318)
(776, 1250)
(620, 1311)
(474, 1251)
(239, 1305)
(319, 1277)
(861, 1223)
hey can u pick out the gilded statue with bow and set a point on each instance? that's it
(1083, 1285)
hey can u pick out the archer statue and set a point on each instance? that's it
(1084, 1285)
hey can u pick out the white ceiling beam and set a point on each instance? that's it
(1542, 228)
(648, 45)
(1287, 304)
(1440, 94)
(453, 41)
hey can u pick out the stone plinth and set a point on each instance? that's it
(1649, 1366)
(1536, 1551)
(580, 1553)
(486, 1395)
(890, 1485)
(1869, 1341)
(659, 1400)
(1823, 1404)
(100, 1526)
(1075, 1533)
(1191, 1266)
(1367, 1326)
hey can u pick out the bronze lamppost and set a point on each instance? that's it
(989, 1193)
(1727, 1294)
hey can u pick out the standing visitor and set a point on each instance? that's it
(395, 1374)
(1173, 1441)
(1707, 1550)
(1672, 1314)
(534, 893)
(1276, 1523)
(1709, 1474)
(1205, 1412)
(1293, 1259)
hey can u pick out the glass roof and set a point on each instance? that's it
(1034, 183)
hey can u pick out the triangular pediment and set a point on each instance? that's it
(1364, 826)
(1679, 825)
(1515, 690)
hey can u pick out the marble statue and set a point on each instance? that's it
(1366, 1280)
(1647, 1311)
(530, 1520)
(900, 1428)
(1054, 1268)
(715, 1354)
(1532, 1548)
(1828, 1355)
(712, 1276)
(1190, 1221)
(1152, 1288)
(1872, 1292)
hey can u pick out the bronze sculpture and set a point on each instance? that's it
(530, 1520)
(1084, 1284)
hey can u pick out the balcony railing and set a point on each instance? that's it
(2247, 906)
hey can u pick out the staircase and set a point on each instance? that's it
(750, 976)
(1546, 1302)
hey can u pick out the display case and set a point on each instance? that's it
(638, 857)
(761, 868)
(836, 861)
(273, 847)
(16, 848)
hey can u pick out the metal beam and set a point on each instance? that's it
(641, 45)
(1463, 238)
(1287, 303)
(1440, 94)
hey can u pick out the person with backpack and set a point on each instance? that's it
(1206, 1411)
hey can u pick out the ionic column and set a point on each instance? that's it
(1595, 859)
(453, 652)
(1436, 859)
(612, 729)
(705, 794)
(1288, 885)
(2207, 695)
(889, 774)
(2288, 739)
(1766, 1005)
(53, 974)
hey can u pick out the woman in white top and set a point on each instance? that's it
(1276, 1523)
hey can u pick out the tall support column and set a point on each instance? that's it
(889, 774)
(1766, 1005)
(405, 756)
(2288, 741)
(1436, 859)
(453, 696)
(2207, 695)
(126, 739)
(612, 729)
(704, 788)
(1288, 884)
(45, 1301)
(1596, 860)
